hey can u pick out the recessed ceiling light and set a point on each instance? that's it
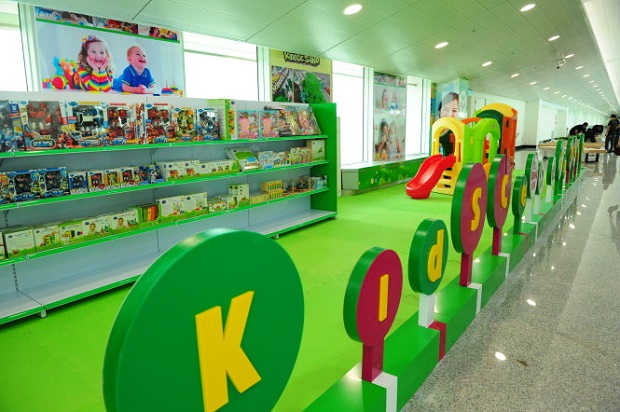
(528, 7)
(352, 9)
(546, 88)
(533, 83)
(552, 38)
(556, 92)
(441, 45)
(563, 95)
(485, 64)
(578, 67)
(591, 81)
(569, 56)
(514, 75)
(586, 75)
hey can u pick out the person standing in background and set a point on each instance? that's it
(611, 133)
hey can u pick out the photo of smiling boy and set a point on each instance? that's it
(137, 78)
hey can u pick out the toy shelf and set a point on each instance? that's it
(81, 196)
(34, 283)
(112, 237)
(153, 146)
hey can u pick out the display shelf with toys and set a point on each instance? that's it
(88, 260)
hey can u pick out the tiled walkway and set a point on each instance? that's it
(549, 340)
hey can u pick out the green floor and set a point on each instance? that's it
(54, 364)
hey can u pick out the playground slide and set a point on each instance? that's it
(429, 174)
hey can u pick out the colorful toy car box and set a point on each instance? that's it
(112, 178)
(129, 176)
(5, 194)
(23, 185)
(171, 206)
(46, 237)
(78, 182)
(124, 221)
(149, 174)
(207, 124)
(19, 242)
(158, 123)
(71, 232)
(87, 123)
(317, 149)
(96, 226)
(184, 124)
(96, 180)
(121, 124)
(54, 182)
(11, 132)
(44, 124)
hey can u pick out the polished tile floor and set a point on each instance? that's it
(549, 339)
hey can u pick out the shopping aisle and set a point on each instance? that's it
(556, 320)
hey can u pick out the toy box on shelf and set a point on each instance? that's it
(46, 237)
(23, 185)
(96, 226)
(124, 221)
(44, 123)
(19, 242)
(11, 133)
(317, 149)
(71, 232)
(248, 124)
(88, 123)
(121, 123)
(53, 182)
(184, 124)
(207, 123)
(158, 123)
(78, 182)
(246, 158)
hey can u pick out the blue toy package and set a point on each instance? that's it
(208, 124)
(53, 182)
(23, 185)
(11, 136)
(78, 182)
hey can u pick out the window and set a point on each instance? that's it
(219, 68)
(416, 140)
(13, 71)
(348, 93)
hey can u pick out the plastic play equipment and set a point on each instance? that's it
(430, 172)
(506, 116)
(474, 140)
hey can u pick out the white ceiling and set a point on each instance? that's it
(398, 37)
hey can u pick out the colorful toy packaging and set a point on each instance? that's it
(87, 121)
(148, 214)
(317, 149)
(78, 182)
(23, 185)
(129, 176)
(11, 133)
(227, 112)
(53, 182)
(248, 124)
(158, 123)
(184, 124)
(46, 237)
(149, 174)
(96, 226)
(307, 122)
(71, 232)
(269, 121)
(112, 178)
(196, 203)
(96, 180)
(44, 124)
(173, 206)
(121, 124)
(124, 221)
(5, 194)
(246, 158)
(19, 242)
(208, 125)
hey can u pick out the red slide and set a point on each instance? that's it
(429, 174)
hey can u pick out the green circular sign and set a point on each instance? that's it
(519, 196)
(428, 256)
(531, 171)
(469, 206)
(215, 322)
(500, 185)
(550, 172)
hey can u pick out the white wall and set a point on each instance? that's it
(518, 105)
(532, 116)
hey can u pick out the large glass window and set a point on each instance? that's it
(13, 69)
(348, 93)
(219, 68)
(416, 138)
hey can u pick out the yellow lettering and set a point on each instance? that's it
(220, 353)
(435, 258)
(384, 287)
(475, 207)
(503, 196)
(523, 196)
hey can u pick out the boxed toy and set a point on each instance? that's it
(158, 123)
(269, 121)
(259, 198)
(307, 122)
(246, 158)
(317, 149)
(96, 226)
(19, 242)
(2, 249)
(124, 221)
(53, 182)
(317, 182)
(266, 159)
(23, 185)
(196, 203)
(248, 124)
(5, 194)
(278, 121)
(129, 176)
(227, 113)
(149, 174)
(87, 121)
(239, 189)
(217, 205)
(281, 159)
(299, 155)
(44, 124)
(121, 123)
(11, 133)
(96, 180)
(184, 124)
(46, 237)
(112, 178)
(171, 206)
(208, 124)
(78, 182)
(291, 118)
(71, 232)
(148, 214)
